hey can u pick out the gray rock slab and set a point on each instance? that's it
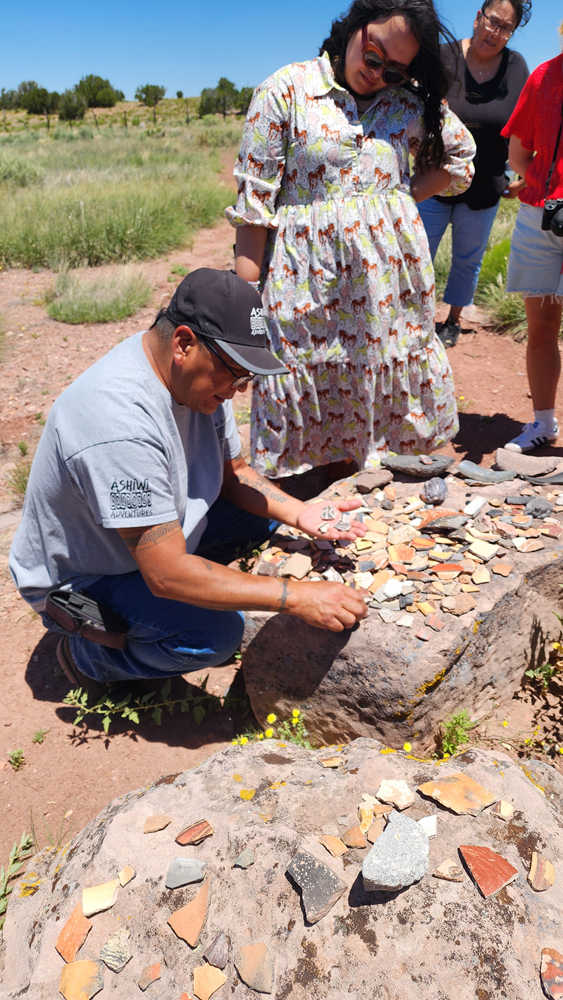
(399, 856)
(184, 871)
(371, 479)
(478, 474)
(538, 507)
(320, 887)
(458, 945)
(410, 465)
(377, 681)
(527, 465)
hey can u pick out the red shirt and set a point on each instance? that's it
(535, 121)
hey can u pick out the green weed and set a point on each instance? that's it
(16, 759)
(16, 480)
(86, 299)
(456, 729)
(23, 448)
(51, 838)
(179, 269)
(139, 709)
(19, 853)
(39, 735)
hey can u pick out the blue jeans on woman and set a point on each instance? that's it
(470, 235)
(165, 637)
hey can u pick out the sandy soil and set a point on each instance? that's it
(77, 769)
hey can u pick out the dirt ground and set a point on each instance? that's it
(78, 770)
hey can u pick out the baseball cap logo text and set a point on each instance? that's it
(257, 324)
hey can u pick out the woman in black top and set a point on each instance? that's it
(486, 79)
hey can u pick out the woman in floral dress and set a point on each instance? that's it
(327, 221)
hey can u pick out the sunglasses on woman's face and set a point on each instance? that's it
(374, 59)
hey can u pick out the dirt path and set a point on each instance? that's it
(82, 770)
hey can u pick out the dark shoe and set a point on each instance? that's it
(74, 675)
(448, 332)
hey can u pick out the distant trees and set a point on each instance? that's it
(39, 101)
(180, 95)
(72, 106)
(150, 95)
(97, 92)
(223, 98)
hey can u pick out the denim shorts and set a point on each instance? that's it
(535, 265)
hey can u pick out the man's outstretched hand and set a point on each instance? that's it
(310, 520)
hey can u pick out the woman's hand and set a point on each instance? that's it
(426, 183)
(513, 189)
(310, 520)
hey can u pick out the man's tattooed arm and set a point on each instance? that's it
(138, 539)
(261, 485)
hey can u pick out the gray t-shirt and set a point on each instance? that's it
(117, 451)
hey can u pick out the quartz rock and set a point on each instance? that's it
(395, 793)
(320, 887)
(430, 825)
(398, 858)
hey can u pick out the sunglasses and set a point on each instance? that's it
(238, 379)
(374, 59)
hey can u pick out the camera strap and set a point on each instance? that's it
(555, 151)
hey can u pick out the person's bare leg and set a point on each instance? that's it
(455, 313)
(542, 355)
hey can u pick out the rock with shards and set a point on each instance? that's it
(320, 887)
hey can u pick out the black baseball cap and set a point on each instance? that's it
(227, 309)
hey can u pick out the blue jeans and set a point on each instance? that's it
(165, 637)
(470, 235)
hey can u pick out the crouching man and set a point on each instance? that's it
(138, 498)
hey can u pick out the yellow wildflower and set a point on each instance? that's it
(271, 718)
(269, 733)
(505, 723)
(260, 736)
(556, 645)
(446, 755)
(243, 740)
(296, 713)
(407, 747)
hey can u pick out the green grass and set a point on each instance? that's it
(16, 480)
(19, 853)
(110, 196)
(87, 299)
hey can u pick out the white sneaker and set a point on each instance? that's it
(533, 436)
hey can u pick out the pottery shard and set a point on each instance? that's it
(207, 980)
(298, 565)
(331, 761)
(195, 834)
(450, 871)
(354, 838)
(188, 921)
(503, 810)
(365, 814)
(255, 967)
(218, 952)
(99, 897)
(459, 793)
(184, 871)
(503, 569)
(462, 603)
(375, 830)
(245, 859)
(488, 870)
(155, 823)
(438, 515)
(398, 858)
(334, 845)
(395, 793)
(82, 980)
(116, 953)
(126, 874)
(542, 873)
(481, 576)
(484, 550)
(73, 935)
(551, 973)
(149, 975)
(320, 887)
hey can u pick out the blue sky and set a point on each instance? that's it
(190, 45)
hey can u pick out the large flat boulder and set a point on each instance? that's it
(434, 938)
(383, 680)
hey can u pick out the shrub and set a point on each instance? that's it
(150, 95)
(80, 299)
(16, 480)
(97, 92)
(39, 101)
(17, 171)
(72, 106)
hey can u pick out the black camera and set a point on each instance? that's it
(552, 218)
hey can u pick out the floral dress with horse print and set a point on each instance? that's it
(347, 281)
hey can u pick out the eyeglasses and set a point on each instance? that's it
(374, 59)
(239, 379)
(493, 26)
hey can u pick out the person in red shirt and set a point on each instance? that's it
(535, 266)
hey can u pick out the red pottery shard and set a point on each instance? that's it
(195, 834)
(149, 975)
(551, 972)
(436, 515)
(446, 568)
(73, 935)
(488, 870)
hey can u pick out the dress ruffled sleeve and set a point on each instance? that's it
(261, 161)
(459, 150)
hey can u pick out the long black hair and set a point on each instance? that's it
(428, 76)
(522, 9)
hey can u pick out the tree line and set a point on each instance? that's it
(95, 92)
